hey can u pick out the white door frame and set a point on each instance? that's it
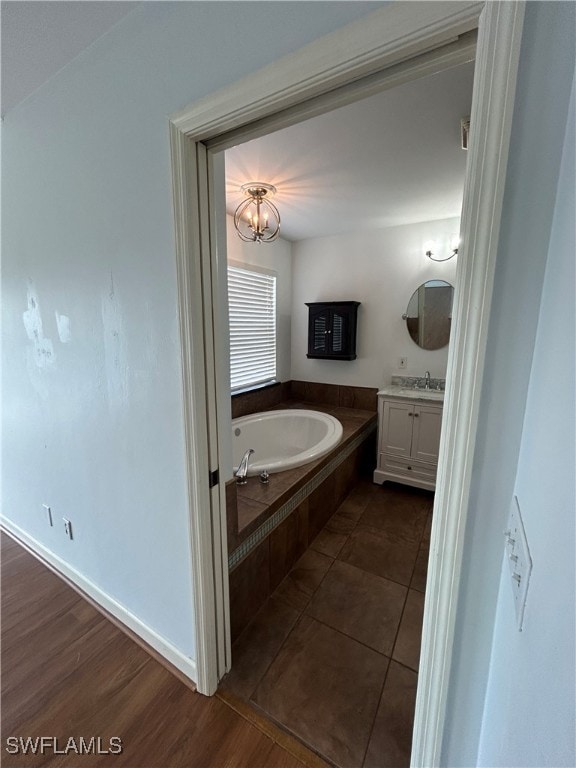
(368, 55)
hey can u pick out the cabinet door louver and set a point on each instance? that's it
(338, 332)
(320, 332)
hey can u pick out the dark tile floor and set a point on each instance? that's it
(333, 655)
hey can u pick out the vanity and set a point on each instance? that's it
(410, 408)
(409, 423)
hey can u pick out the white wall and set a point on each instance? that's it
(93, 404)
(381, 269)
(531, 689)
(276, 256)
(541, 107)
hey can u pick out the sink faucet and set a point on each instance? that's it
(241, 473)
(427, 379)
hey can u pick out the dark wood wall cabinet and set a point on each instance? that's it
(332, 330)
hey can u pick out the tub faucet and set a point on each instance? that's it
(241, 473)
(427, 380)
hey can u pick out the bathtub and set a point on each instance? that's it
(283, 439)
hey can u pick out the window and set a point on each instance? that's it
(252, 310)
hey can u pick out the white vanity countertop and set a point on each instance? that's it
(410, 393)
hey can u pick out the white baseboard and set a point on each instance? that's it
(165, 649)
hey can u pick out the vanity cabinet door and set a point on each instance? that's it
(426, 433)
(396, 428)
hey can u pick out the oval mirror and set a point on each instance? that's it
(429, 314)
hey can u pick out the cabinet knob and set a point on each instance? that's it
(416, 415)
(410, 414)
(409, 468)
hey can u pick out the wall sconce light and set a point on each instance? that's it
(257, 219)
(431, 247)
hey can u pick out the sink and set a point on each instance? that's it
(431, 394)
(414, 393)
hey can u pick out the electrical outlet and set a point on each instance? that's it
(68, 528)
(402, 362)
(48, 514)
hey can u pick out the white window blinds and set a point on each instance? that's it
(252, 310)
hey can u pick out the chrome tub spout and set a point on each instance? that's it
(241, 473)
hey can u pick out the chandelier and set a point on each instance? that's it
(257, 219)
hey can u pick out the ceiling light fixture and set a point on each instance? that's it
(257, 219)
(431, 244)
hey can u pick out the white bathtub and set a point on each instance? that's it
(283, 439)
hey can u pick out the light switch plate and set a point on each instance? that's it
(519, 560)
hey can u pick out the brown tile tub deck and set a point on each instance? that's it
(256, 576)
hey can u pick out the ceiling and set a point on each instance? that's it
(391, 159)
(40, 38)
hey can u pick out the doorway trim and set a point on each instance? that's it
(390, 43)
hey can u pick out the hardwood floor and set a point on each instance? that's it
(69, 672)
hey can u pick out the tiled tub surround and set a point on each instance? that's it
(260, 399)
(336, 395)
(255, 501)
(270, 526)
(332, 656)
